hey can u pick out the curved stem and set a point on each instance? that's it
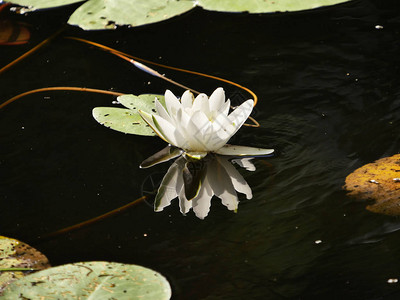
(154, 72)
(59, 88)
(114, 51)
(26, 54)
(126, 56)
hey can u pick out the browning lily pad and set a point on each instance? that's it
(15, 256)
(379, 181)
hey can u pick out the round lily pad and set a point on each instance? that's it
(91, 280)
(15, 257)
(378, 181)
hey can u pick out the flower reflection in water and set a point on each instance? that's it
(195, 182)
(197, 130)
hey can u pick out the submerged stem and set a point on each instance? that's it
(93, 220)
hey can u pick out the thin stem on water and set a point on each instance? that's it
(134, 60)
(34, 49)
(59, 88)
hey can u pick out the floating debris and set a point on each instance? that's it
(392, 280)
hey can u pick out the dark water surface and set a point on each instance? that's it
(328, 84)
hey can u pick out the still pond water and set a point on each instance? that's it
(328, 84)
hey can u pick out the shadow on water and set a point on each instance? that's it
(328, 83)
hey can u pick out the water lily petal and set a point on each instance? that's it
(169, 187)
(149, 120)
(184, 204)
(241, 113)
(217, 99)
(222, 186)
(195, 155)
(200, 122)
(200, 103)
(187, 99)
(169, 131)
(224, 109)
(202, 203)
(196, 128)
(164, 155)
(221, 131)
(223, 126)
(245, 163)
(235, 150)
(193, 174)
(162, 112)
(239, 183)
(172, 103)
(182, 118)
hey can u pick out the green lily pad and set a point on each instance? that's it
(94, 14)
(264, 6)
(41, 4)
(128, 120)
(16, 256)
(143, 102)
(100, 14)
(122, 119)
(91, 280)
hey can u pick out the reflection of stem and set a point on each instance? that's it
(93, 220)
(60, 88)
(26, 54)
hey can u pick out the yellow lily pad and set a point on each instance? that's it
(16, 256)
(378, 181)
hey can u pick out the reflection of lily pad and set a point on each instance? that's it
(379, 181)
(15, 255)
(91, 280)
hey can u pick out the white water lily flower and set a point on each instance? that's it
(219, 178)
(201, 125)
